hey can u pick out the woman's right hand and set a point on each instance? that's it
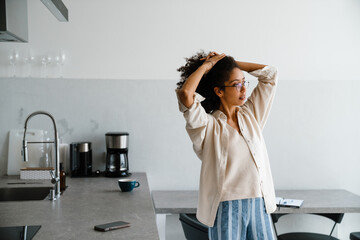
(186, 93)
(211, 59)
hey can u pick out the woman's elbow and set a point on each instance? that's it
(186, 97)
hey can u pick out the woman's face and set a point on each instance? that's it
(233, 94)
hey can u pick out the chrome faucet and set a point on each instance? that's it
(55, 179)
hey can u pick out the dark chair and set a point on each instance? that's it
(355, 236)
(337, 218)
(193, 229)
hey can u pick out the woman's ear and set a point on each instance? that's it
(218, 92)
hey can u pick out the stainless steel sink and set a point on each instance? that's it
(24, 193)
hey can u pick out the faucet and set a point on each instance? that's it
(55, 179)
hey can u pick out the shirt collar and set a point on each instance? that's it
(220, 115)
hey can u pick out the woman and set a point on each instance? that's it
(236, 192)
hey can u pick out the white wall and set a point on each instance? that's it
(121, 72)
(141, 39)
(311, 134)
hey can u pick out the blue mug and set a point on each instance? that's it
(127, 185)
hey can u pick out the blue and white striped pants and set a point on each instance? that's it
(244, 219)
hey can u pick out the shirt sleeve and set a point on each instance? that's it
(196, 121)
(261, 99)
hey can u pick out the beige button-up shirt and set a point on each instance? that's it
(210, 137)
(240, 170)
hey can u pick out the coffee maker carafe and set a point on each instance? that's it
(117, 163)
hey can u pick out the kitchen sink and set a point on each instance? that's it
(18, 232)
(24, 193)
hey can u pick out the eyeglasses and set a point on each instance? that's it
(240, 85)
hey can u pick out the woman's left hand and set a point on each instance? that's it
(211, 59)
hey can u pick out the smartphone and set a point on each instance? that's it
(111, 226)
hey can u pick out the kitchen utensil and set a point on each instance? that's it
(81, 159)
(127, 185)
(117, 163)
(15, 160)
(35, 173)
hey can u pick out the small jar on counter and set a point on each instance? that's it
(62, 178)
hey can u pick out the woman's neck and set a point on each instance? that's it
(229, 111)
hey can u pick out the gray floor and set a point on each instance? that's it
(174, 230)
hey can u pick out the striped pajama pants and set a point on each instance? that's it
(244, 219)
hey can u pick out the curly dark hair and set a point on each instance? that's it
(216, 77)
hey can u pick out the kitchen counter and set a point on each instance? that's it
(315, 201)
(85, 203)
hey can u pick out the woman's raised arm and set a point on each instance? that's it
(249, 67)
(186, 93)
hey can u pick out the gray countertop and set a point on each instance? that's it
(85, 203)
(315, 201)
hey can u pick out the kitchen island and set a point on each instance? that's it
(85, 203)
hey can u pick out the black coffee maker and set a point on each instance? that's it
(81, 159)
(117, 163)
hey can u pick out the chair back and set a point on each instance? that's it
(193, 229)
(275, 216)
(336, 217)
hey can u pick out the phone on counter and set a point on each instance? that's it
(111, 226)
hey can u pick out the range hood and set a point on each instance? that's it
(14, 18)
(58, 9)
(13, 21)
